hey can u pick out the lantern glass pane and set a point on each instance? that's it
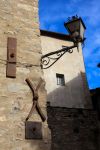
(73, 26)
(81, 30)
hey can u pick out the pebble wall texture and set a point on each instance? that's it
(19, 19)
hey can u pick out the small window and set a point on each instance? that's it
(60, 79)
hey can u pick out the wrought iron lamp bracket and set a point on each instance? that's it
(51, 58)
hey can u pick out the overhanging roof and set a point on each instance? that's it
(56, 35)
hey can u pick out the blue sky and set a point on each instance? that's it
(53, 13)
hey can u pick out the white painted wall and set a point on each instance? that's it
(73, 94)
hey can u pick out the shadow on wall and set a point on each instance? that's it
(75, 94)
(73, 125)
(95, 94)
(73, 129)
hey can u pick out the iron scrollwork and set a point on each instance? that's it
(51, 58)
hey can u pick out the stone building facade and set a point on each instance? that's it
(19, 20)
(69, 125)
(75, 92)
(72, 119)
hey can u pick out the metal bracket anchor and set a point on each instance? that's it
(33, 130)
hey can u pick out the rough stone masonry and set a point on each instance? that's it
(19, 19)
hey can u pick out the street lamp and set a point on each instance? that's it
(76, 29)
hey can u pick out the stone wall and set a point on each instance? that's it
(19, 19)
(73, 129)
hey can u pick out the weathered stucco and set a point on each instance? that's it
(75, 93)
(19, 19)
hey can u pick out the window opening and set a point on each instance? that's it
(60, 79)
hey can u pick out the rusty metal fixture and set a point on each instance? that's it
(11, 57)
(33, 130)
(35, 100)
(48, 60)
